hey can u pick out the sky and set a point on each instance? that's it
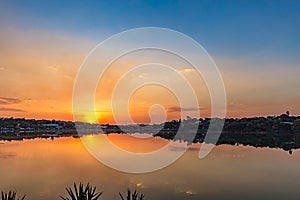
(255, 45)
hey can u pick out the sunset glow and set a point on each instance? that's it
(38, 68)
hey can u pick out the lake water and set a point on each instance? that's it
(42, 168)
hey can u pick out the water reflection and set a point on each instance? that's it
(43, 168)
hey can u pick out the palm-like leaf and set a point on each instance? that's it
(82, 193)
(11, 195)
(132, 196)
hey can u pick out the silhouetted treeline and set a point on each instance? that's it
(273, 131)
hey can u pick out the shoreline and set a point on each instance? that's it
(288, 143)
(274, 131)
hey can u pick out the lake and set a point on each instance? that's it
(42, 168)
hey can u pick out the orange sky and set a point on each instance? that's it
(38, 70)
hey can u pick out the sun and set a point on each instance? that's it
(91, 118)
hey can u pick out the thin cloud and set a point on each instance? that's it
(186, 70)
(8, 101)
(178, 109)
(12, 110)
(54, 68)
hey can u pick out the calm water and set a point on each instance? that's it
(41, 168)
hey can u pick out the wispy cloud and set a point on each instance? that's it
(178, 109)
(186, 70)
(8, 101)
(54, 67)
(12, 110)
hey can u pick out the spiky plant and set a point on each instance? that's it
(82, 193)
(11, 195)
(132, 195)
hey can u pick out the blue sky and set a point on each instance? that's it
(223, 27)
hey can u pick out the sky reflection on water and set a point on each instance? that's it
(43, 168)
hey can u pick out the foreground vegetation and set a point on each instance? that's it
(79, 192)
(11, 195)
(82, 193)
